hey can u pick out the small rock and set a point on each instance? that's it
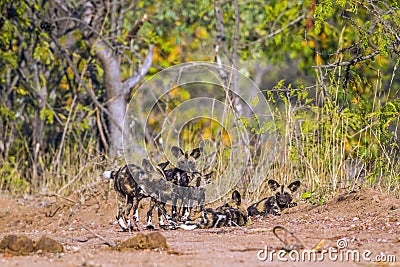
(16, 245)
(144, 241)
(46, 244)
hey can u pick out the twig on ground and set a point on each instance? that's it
(300, 244)
(258, 230)
(51, 214)
(58, 195)
(243, 249)
(83, 240)
(110, 243)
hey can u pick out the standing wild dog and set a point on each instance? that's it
(232, 213)
(275, 204)
(198, 193)
(190, 192)
(130, 192)
(162, 192)
(182, 176)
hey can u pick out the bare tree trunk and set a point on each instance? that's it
(38, 126)
(117, 90)
(115, 95)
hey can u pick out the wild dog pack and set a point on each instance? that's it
(182, 183)
(133, 183)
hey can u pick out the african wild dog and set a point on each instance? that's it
(232, 213)
(197, 192)
(182, 176)
(130, 192)
(184, 187)
(162, 192)
(275, 204)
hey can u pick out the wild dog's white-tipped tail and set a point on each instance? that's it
(107, 174)
(188, 227)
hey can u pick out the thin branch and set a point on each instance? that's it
(56, 162)
(110, 243)
(136, 28)
(272, 34)
(58, 196)
(101, 130)
(341, 51)
(349, 62)
(98, 34)
(73, 179)
(137, 76)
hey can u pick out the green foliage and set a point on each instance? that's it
(43, 53)
(11, 178)
(324, 10)
(322, 140)
(47, 115)
(312, 198)
(351, 111)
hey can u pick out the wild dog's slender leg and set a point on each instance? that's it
(199, 197)
(191, 204)
(135, 206)
(174, 206)
(150, 215)
(129, 203)
(121, 200)
(185, 209)
(161, 207)
(160, 217)
(161, 211)
(201, 200)
(275, 210)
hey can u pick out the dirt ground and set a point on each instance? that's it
(367, 221)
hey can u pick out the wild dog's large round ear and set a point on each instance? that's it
(236, 197)
(177, 152)
(196, 152)
(294, 186)
(146, 164)
(273, 184)
(207, 177)
(163, 165)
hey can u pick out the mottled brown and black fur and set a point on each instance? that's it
(276, 203)
(133, 183)
(186, 179)
(232, 213)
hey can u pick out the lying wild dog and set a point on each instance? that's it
(275, 204)
(133, 183)
(232, 213)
